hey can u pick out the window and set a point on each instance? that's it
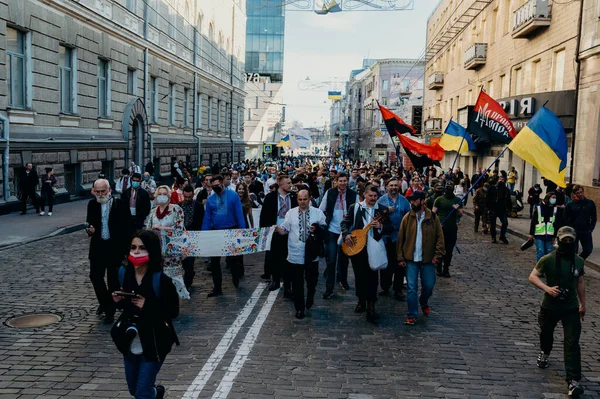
(171, 104)
(239, 120)
(493, 20)
(504, 86)
(186, 111)
(518, 81)
(219, 116)
(130, 5)
(249, 114)
(152, 12)
(384, 100)
(153, 100)
(227, 117)
(469, 97)
(507, 15)
(103, 88)
(131, 81)
(535, 76)
(559, 70)
(65, 79)
(210, 113)
(199, 112)
(384, 85)
(15, 51)
(490, 88)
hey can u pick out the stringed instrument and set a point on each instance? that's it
(359, 237)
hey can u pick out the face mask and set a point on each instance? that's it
(138, 260)
(552, 201)
(146, 178)
(567, 248)
(273, 175)
(135, 184)
(162, 199)
(217, 189)
(102, 200)
(485, 190)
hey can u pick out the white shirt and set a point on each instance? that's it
(418, 255)
(291, 224)
(339, 211)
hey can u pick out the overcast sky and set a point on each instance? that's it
(324, 47)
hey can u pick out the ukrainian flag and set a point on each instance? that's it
(334, 95)
(543, 143)
(456, 138)
(284, 142)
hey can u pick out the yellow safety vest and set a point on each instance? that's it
(541, 228)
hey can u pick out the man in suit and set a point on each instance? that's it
(109, 226)
(365, 278)
(335, 205)
(275, 206)
(193, 212)
(138, 200)
(28, 182)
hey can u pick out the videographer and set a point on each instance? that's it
(144, 333)
(564, 301)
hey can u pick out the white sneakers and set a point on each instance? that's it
(42, 213)
(49, 213)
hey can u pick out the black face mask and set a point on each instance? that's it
(449, 192)
(218, 189)
(566, 248)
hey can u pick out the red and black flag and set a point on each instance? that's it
(421, 155)
(489, 121)
(395, 125)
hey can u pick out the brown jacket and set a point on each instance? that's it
(433, 237)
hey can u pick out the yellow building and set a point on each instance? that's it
(522, 52)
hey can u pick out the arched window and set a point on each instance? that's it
(187, 18)
(199, 39)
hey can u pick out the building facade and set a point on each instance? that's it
(89, 85)
(522, 52)
(264, 110)
(396, 84)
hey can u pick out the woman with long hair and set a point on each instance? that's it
(168, 221)
(144, 333)
(247, 204)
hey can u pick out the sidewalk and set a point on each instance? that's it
(17, 229)
(520, 228)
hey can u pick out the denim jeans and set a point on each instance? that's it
(542, 247)
(427, 271)
(587, 243)
(141, 376)
(335, 257)
(511, 187)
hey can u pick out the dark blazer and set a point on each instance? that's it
(268, 213)
(119, 227)
(142, 206)
(198, 217)
(28, 184)
(348, 224)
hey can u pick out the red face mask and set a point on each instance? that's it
(138, 260)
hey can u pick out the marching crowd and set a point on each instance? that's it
(320, 208)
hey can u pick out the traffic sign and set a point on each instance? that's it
(268, 149)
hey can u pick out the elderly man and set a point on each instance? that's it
(109, 226)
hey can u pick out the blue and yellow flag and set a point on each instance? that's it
(456, 138)
(334, 95)
(543, 143)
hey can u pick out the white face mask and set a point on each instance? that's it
(552, 201)
(162, 199)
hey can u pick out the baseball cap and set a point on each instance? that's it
(566, 231)
(449, 184)
(416, 195)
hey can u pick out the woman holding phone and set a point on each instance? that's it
(144, 333)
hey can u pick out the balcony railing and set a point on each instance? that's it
(476, 56)
(531, 16)
(433, 125)
(435, 81)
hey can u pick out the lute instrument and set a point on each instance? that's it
(359, 236)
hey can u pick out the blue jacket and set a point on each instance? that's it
(401, 208)
(223, 212)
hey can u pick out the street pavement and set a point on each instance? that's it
(480, 340)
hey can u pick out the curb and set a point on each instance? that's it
(524, 236)
(62, 231)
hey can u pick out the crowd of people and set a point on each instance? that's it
(410, 218)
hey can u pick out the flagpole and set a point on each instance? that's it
(475, 184)
(459, 148)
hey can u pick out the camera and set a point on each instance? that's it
(563, 293)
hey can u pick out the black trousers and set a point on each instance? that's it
(215, 268)
(188, 271)
(25, 195)
(548, 319)
(308, 272)
(278, 264)
(105, 263)
(503, 219)
(393, 275)
(50, 200)
(366, 280)
(450, 238)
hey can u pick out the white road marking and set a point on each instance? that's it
(242, 354)
(215, 358)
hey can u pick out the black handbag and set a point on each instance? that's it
(527, 244)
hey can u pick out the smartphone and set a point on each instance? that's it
(126, 294)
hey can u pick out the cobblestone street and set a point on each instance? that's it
(479, 341)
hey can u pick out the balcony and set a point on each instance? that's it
(433, 125)
(435, 81)
(476, 56)
(530, 17)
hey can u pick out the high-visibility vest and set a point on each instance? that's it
(542, 228)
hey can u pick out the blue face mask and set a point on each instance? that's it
(135, 184)
(146, 178)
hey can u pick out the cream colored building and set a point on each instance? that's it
(522, 52)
